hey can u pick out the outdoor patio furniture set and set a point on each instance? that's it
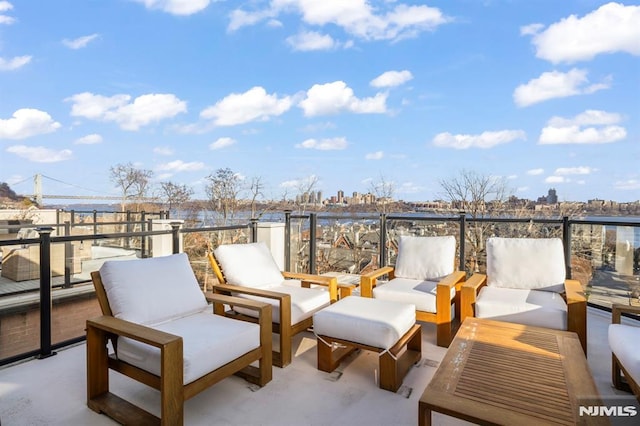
(162, 332)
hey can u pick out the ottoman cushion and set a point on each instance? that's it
(371, 322)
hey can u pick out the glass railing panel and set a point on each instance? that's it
(607, 258)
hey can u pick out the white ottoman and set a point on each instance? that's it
(374, 325)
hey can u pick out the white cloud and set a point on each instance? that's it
(387, 21)
(27, 122)
(14, 63)
(163, 150)
(222, 143)
(324, 144)
(332, 98)
(378, 155)
(300, 183)
(613, 27)
(176, 7)
(590, 117)
(535, 172)
(556, 84)
(409, 188)
(253, 105)
(5, 6)
(181, 166)
(91, 139)
(144, 110)
(483, 140)
(582, 170)
(556, 179)
(531, 29)
(627, 185)
(392, 78)
(80, 42)
(603, 129)
(311, 40)
(40, 154)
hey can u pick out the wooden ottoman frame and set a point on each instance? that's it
(394, 363)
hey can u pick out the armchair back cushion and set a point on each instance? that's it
(425, 258)
(248, 265)
(526, 263)
(150, 291)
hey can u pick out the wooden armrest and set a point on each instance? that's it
(617, 310)
(468, 294)
(250, 291)
(368, 281)
(236, 301)
(133, 331)
(378, 273)
(453, 279)
(330, 282)
(573, 292)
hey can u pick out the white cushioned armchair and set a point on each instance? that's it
(526, 284)
(249, 271)
(623, 341)
(425, 276)
(165, 335)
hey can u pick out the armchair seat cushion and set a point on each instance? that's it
(304, 302)
(623, 341)
(418, 292)
(531, 307)
(209, 342)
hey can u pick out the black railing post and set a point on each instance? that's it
(463, 240)
(287, 240)
(150, 228)
(143, 239)
(175, 230)
(254, 230)
(68, 256)
(566, 239)
(313, 219)
(45, 292)
(167, 213)
(73, 216)
(95, 225)
(383, 239)
(127, 241)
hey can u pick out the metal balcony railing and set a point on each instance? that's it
(310, 242)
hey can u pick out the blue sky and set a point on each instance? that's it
(544, 94)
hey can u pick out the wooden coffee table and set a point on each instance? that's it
(504, 373)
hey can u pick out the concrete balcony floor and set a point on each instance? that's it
(52, 391)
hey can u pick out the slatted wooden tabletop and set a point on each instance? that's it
(504, 373)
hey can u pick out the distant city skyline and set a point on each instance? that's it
(542, 94)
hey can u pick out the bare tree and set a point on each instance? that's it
(255, 188)
(478, 195)
(222, 190)
(175, 195)
(132, 182)
(384, 191)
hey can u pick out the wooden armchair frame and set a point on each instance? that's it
(284, 328)
(445, 330)
(627, 383)
(173, 392)
(573, 296)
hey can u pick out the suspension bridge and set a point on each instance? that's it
(38, 196)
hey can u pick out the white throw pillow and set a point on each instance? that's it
(425, 258)
(248, 265)
(149, 291)
(526, 263)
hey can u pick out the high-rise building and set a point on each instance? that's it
(552, 198)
